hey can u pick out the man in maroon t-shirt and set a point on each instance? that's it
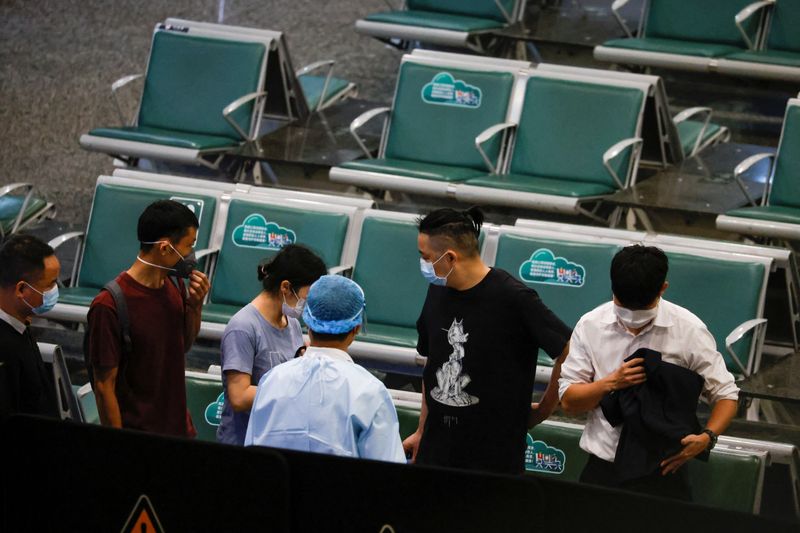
(144, 388)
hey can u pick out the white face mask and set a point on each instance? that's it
(297, 310)
(635, 319)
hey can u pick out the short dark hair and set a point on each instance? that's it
(296, 264)
(637, 275)
(328, 337)
(461, 229)
(22, 258)
(164, 218)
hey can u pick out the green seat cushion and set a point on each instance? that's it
(438, 112)
(178, 139)
(409, 420)
(313, 85)
(711, 481)
(414, 169)
(190, 80)
(709, 21)
(203, 402)
(10, 206)
(482, 9)
(729, 295)
(387, 269)
(391, 335)
(772, 57)
(599, 116)
(537, 184)
(77, 295)
(786, 178)
(431, 19)
(774, 213)
(671, 46)
(783, 34)
(688, 131)
(219, 313)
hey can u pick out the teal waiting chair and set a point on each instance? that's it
(202, 98)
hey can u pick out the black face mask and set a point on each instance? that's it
(185, 266)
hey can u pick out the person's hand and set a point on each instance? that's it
(411, 445)
(693, 445)
(629, 374)
(198, 288)
(539, 413)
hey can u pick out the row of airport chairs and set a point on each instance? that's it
(736, 37)
(491, 131)
(449, 23)
(723, 283)
(21, 206)
(735, 462)
(206, 90)
(777, 216)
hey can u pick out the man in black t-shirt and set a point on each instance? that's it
(481, 331)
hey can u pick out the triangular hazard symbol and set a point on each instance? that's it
(143, 518)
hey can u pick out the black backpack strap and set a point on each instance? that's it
(121, 304)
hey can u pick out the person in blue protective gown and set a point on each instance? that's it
(323, 402)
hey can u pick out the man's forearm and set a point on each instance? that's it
(550, 398)
(582, 397)
(721, 415)
(108, 407)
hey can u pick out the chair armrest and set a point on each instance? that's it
(736, 335)
(746, 165)
(236, 104)
(65, 237)
(316, 66)
(61, 239)
(7, 189)
(745, 14)
(488, 134)
(362, 119)
(615, 7)
(634, 142)
(691, 112)
(201, 254)
(341, 270)
(116, 86)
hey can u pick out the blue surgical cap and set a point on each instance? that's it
(335, 305)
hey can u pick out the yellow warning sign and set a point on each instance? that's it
(143, 518)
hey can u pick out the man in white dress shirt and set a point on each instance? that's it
(323, 402)
(638, 317)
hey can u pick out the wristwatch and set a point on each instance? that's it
(713, 438)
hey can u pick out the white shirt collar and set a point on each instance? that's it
(332, 353)
(13, 322)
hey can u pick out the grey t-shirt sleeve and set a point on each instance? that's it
(238, 351)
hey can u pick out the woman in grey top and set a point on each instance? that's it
(264, 333)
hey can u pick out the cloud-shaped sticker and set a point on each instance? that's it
(539, 457)
(256, 232)
(544, 267)
(214, 410)
(444, 89)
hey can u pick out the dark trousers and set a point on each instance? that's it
(675, 486)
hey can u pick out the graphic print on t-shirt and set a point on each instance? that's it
(450, 378)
